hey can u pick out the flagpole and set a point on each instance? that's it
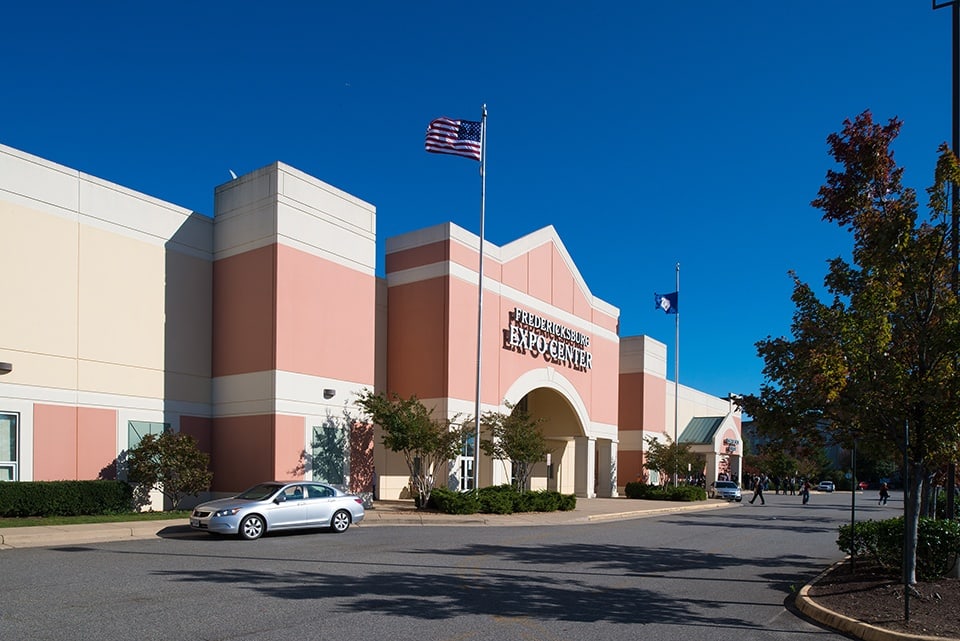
(483, 204)
(676, 386)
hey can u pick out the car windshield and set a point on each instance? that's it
(260, 492)
(727, 484)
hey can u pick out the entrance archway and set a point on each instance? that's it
(578, 452)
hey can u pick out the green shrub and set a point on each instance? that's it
(938, 543)
(638, 490)
(64, 498)
(452, 502)
(568, 502)
(526, 502)
(545, 500)
(497, 499)
(500, 499)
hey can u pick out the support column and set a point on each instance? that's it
(607, 474)
(586, 473)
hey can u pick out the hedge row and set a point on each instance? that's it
(64, 498)
(938, 544)
(500, 499)
(637, 490)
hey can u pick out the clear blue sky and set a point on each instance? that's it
(648, 133)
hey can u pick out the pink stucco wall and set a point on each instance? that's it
(244, 312)
(416, 339)
(54, 442)
(251, 449)
(433, 324)
(290, 444)
(96, 442)
(654, 407)
(71, 443)
(630, 467)
(242, 452)
(630, 401)
(201, 429)
(325, 317)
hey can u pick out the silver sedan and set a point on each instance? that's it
(271, 506)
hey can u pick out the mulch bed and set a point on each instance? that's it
(872, 595)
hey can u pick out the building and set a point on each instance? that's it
(253, 331)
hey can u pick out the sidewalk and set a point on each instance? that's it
(403, 513)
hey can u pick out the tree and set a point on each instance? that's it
(171, 463)
(665, 457)
(427, 444)
(878, 362)
(515, 437)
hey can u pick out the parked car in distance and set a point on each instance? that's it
(863, 485)
(275, 505)
(726, 490)
(825, 486)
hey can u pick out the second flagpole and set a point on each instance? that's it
(676, 386)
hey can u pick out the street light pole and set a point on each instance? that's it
(853, 504)
(954, 205)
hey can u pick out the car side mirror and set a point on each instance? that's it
(280, 498)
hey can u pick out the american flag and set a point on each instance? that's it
(457, 137)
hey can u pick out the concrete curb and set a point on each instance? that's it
(52, 535)
(638, 514)
(845, 624)
(388, 514)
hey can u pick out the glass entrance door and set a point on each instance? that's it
(465, 463)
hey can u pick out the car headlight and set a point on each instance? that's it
(228, 512)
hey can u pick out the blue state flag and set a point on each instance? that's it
(667, 302)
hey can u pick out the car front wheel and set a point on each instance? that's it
(252, 527)
(340, 521)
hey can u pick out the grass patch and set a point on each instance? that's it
(97, 518)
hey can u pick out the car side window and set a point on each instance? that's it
(294, 493)
(319, 492)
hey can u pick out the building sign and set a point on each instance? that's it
(528, 332)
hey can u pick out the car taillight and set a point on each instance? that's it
(358, 500)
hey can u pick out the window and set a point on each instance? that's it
(330, 454)
(136, 430)
(9, 446)
(319, 492)
(467, 452)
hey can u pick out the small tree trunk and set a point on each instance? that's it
(911, 526)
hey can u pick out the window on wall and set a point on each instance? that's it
(9, 446)
(331, 460)
(136, 430)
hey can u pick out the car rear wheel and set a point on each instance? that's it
(252, 527)
(340, 521)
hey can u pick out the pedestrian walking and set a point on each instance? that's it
(805, 492)
(758, 491)
(884, 494)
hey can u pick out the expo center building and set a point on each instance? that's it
(254, 330)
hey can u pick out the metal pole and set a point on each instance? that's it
(954, 205)
(853, 506)
(483, 205)
(676, 388)
(906, 516)
(955, 217)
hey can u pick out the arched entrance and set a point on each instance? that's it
(582, 461)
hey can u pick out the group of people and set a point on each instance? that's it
(762, 482)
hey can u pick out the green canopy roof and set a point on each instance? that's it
(701, 430)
